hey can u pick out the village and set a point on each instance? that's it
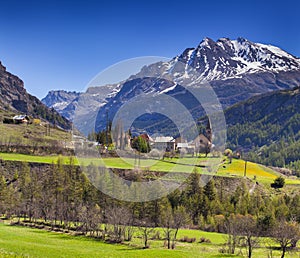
(156, 145)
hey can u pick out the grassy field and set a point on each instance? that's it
(16, 241)
(32, 158)
(186, 165)
(27, 242)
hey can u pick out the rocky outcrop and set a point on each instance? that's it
(14, 97)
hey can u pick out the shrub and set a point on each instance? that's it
(36, 121)
(154, 153)
(223, 250)
(279, 182)
(140, 144)
(156, 236)
(7, 120)
(186, 239)
(204, 240)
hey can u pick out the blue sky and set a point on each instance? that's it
(64, 44)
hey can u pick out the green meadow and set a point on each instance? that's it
(17, 241)
(185, 165)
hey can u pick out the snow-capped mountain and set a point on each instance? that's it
(66, 102)
(225, 59)
(59, 99)
(236, 70)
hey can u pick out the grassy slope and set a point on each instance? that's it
(28, 134)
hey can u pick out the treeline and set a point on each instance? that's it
(63, 197)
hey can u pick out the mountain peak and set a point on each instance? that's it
(223, 40)
(206, 42)
(228, 58)
(242, 40)
(2, 67)
(59, 99)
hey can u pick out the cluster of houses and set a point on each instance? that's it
(124, 141)
(202, 143)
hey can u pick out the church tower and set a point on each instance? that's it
(208, 131)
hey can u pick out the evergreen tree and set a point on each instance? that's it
(210, 190)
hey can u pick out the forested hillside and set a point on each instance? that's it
(268, 127)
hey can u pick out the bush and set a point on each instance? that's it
(7, 120)
(223, 250)
(183, 152)
(279, 182)
(156, 236)
(155, 153)
(186, 239)
(204, 240)
(36, 121)
(140, 144)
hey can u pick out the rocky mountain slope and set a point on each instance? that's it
(86, 103)
(59, 99)
(14, 97)
(62, 102)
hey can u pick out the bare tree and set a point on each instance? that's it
(241, 230)
(146, 230)
(172, 221)
(118, 218)
(180, 218)
(286, 234)
(90, 217)
(167, 222)
(231, 228)
(249, 233)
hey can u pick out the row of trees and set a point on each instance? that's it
(62, 196)
(245, 231)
